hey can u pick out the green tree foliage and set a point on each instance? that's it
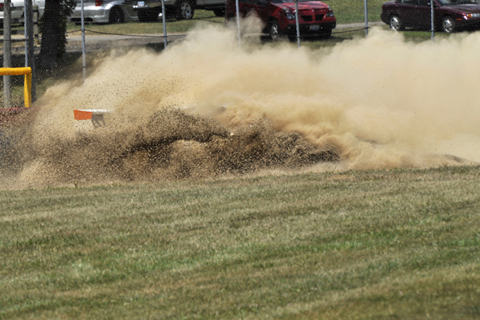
(53, 27)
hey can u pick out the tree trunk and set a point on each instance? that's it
(54, 39)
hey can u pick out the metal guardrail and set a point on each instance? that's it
(27, 72)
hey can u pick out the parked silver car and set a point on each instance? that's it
(149, 10)
(17, 8)
(103, 11)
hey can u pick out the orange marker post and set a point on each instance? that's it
(96, 115)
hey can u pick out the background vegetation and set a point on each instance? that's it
(398, 244)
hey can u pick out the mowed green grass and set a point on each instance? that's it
(388, 244)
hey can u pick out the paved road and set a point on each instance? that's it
(102, 41)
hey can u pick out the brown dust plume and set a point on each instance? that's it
(207, 107)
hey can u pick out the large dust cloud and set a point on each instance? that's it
(208, 107)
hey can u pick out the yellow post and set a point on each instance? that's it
(27, 88)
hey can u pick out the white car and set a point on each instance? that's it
(96, 11)
(18, 7)
(103, 11)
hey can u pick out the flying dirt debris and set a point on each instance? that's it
(171, 144)
(360, 105)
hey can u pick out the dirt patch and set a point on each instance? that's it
(11, 116)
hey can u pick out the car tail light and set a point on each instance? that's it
(98, 3)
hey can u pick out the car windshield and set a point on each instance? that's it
(451, 2)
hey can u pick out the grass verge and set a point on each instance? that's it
(399, 244)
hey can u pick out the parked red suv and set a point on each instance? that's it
(315, 17)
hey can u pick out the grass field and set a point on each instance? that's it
(397, 244)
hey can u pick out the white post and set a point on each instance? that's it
(297, 23)
(432, 20)
(237, 8)
(164, 14)
(30, 44)
(7, 59)
(366, 18)
(84, 63)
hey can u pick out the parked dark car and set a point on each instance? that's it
(278, 16)
(449, 15)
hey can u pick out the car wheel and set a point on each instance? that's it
(219, 12)
(396, 23)
(274, 30)
(448, 24)
(185, 10)
(116, 15)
